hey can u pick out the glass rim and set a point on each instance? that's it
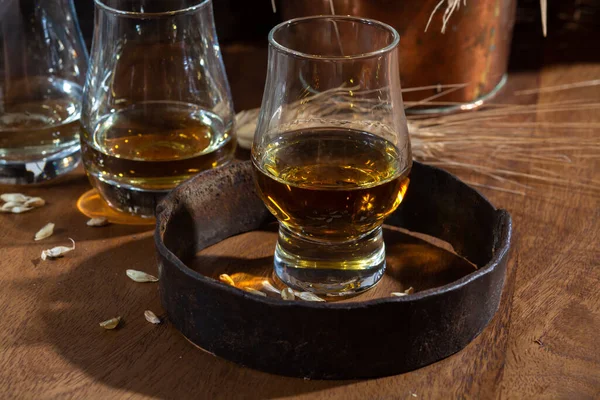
(136, 14)
(365, 21)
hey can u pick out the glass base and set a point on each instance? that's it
(16, 172)
(129, 200)
(330, 268)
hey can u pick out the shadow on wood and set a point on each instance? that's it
(130, 357)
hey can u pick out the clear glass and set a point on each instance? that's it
(157, 105)
(331, 153)
(43, 61)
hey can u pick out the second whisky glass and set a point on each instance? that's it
(331, 152)
(157, 105)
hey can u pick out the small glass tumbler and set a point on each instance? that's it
(157, 105)
(331, 153)
(43, 61)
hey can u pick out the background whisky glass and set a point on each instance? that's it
(43, 61)
(157, 106)
(331, 152)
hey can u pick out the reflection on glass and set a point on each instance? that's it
(331, 152)
(43, 62)
(157, 105)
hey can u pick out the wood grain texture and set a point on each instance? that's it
(556, 299)
(52, 347)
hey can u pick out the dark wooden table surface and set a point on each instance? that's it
(541, 344)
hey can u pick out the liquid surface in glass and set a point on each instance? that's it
(331, 184)
(156, 145)
(39, 117)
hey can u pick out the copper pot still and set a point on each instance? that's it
(473, 50)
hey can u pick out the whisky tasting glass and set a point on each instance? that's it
(331, 153)
(157, 106)
(43, 61)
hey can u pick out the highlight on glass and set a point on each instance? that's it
(157, 105)
(331, 153)
(43, 61)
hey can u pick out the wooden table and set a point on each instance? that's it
(541, 343)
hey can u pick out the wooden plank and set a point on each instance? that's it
(556, 301)
(51, 344)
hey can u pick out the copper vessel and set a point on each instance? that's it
(473, 50)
